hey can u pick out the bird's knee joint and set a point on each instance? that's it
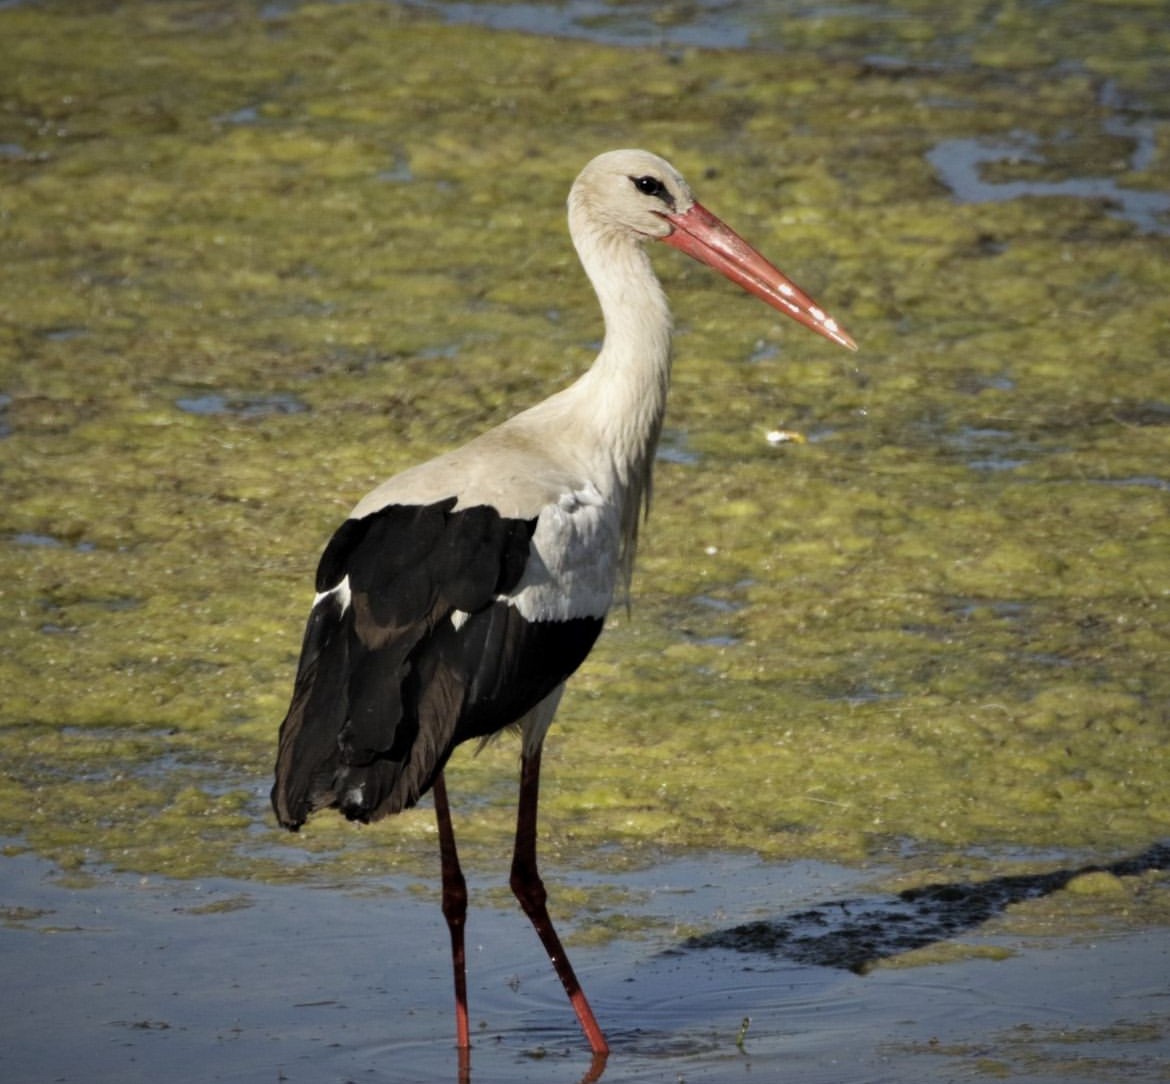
(455, 902)
(529, 890)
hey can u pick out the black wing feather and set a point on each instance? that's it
(388, 685)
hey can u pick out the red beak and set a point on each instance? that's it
(700, 234)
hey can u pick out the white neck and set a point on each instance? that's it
(623, 395)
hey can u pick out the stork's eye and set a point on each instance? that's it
(650, 186)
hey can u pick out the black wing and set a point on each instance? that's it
(417, 656)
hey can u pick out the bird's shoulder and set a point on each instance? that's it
(519, 469)
(541, 524)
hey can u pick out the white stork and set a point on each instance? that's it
(459, 595)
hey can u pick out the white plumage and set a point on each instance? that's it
(459, 595)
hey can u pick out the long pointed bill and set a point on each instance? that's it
(700, 234)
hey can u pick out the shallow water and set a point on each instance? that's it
(225, 980)
(905, 612)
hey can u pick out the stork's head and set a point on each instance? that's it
(635, 194)
(631, 191)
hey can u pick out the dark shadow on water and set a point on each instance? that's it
(854, 934)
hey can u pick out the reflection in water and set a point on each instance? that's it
(596, 1068)
(243, 404)
(707, 24)
(958, 163)
(592, 1075)
(854, 934)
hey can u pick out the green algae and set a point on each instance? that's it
(1128, 1048)
(943, 619)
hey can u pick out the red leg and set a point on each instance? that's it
(454, 908)
(529, 890)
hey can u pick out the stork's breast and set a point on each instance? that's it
(574, 564)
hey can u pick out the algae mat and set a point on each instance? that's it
(255, 259)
